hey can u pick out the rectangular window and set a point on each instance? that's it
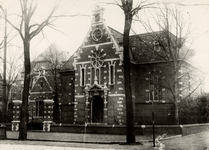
(39, 108)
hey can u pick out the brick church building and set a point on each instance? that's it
(93, 79)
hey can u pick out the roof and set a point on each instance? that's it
(53, 56)
(141, 47)
(42, 87)
(139, 52)
(51, 51)
(68, 65)
(117, 35)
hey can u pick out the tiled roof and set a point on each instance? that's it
(117, 35)
(141, 47)
(68, 65)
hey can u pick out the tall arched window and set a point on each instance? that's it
(111, 73)
(155, 88)
(83, 75)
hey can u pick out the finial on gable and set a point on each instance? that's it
(42, 71)
(98, 13)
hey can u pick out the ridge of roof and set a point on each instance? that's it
(147, 33)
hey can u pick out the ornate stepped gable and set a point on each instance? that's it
(142, 46)
(41, 89)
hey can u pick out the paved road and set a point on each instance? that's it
(199, 141)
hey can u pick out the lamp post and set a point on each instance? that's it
(153, 119)
(3, 134)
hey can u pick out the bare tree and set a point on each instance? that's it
(129, 12)
(27, 31)
(14, 68)
(171, 50)
(53, 59)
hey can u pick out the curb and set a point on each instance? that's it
(167, 138)
(102, 142)
(120, 143)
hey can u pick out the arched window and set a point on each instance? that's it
(83, 75)
(155, 88)
(111, 73)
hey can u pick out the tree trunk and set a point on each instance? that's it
(56, 104)
(130, 135)
(24, 109)
(56, 108)
(176, 110)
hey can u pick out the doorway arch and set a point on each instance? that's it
(97, 109)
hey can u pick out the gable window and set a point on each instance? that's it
(155, 88)
(111, 73)
(39, 108)
(82, 75)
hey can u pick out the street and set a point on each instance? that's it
(199, 141)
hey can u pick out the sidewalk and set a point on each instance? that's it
(61, 141)
(81, 138)
(77, 137)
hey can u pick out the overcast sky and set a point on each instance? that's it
(71, 31)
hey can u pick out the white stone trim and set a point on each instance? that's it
(48, 101)
(17, 101)
(79, 96)
(16, 121)
(40, 92)
(117, 95)
(100, 44)
(105, 60)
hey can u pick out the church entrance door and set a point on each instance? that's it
(97, 109)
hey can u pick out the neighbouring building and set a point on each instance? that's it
(44, 88)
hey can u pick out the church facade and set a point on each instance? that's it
(97, 74)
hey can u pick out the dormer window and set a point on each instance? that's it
(156, 43)
(156, 46)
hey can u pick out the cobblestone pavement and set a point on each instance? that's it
(199, 141)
